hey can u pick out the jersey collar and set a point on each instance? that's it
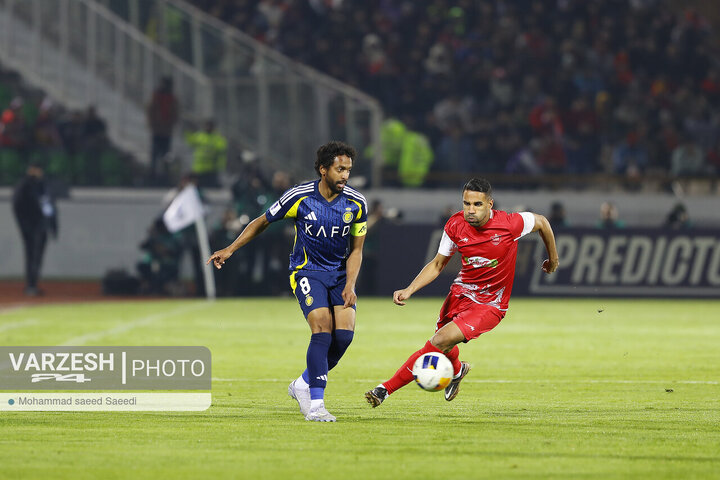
(319, 195)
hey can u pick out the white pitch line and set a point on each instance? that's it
(124, 327)
(19, 324)
(548, 381)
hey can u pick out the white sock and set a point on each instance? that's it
(301, 383)
(315, 404)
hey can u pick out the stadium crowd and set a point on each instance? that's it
(523, 87)
(71, 145)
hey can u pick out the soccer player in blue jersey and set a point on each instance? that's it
(330, 226)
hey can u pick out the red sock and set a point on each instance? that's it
(404, 375)
(454, 356)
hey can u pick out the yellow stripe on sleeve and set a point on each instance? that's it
(292, 213)
(357, 217)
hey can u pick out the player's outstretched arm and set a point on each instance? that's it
(429, 273)
(252, 230)
(543, 227)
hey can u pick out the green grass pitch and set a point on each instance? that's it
(560, 389)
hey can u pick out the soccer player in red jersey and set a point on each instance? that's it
(478, 299)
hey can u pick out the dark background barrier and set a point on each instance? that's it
(593, 262)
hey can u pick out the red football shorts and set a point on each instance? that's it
(473, 319)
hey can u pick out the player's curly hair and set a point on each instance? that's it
(479, 185)
(326, 154)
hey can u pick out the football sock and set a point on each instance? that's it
(404, 374)
(317, 363)
(454, 356)
(341, 340)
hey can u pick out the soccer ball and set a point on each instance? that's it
(433, 371)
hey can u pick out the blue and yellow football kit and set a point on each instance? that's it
(322, 233)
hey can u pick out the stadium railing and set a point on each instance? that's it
(81, 53)
(279, 108)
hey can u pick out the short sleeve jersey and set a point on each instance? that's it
(322, 228)
(488, 255)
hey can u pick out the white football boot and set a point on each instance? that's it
(302, 396)
(319, 414)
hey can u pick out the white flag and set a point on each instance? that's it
(184, 210)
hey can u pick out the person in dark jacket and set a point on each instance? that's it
(36, 216)
(163, 113)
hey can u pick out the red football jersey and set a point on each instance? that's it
(488, 255)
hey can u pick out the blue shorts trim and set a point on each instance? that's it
(318, 289)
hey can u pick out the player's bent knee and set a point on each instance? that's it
(447, 337)
(320, 321)
(441, 343)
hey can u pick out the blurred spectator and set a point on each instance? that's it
(713, 159)
(582, 142)
(94, 142)
(501, 89)
(251, 190)
(163, 112)
(227, 278)
(453, 111)
(72, 131)
(609, 217)
(36, 216)
(209, 154)
(95, 131)
(557, 216)
(630, 156)
(678, 218)
(373, 58)
(688, 159)
(439, 60)
(47, 134)
(416, 159)
(368, 274)
(392, 137)
(550, 155)
(544, 118)
(487, 157)
(524, 160)
(159, 266)
(13, 129)
(455, 152)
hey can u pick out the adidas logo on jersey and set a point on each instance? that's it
(311, 216)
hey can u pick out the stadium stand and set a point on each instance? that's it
(519, 89)
(71, 145)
